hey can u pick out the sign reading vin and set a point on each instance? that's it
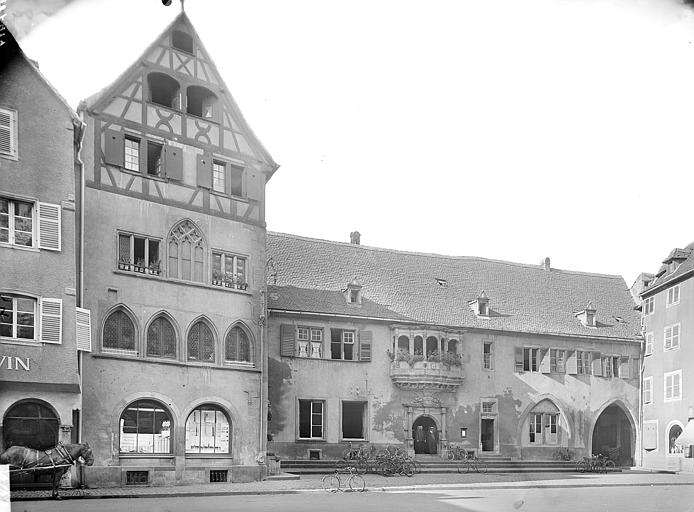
(14, 363)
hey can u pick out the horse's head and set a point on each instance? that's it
(86, 456)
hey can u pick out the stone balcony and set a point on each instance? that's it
(426, 375)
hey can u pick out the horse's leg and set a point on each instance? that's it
(56, 480)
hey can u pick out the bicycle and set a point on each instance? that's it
(472, 463)
(333, 483)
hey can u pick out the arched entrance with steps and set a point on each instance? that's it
(425, 435)
(614, 435)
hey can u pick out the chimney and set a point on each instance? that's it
(355, 237)
(545, 264)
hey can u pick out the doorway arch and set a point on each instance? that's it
(425, 434)
(32, 423)
(614, 435)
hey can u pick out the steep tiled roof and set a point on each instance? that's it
(436, 289)
(333, 302)
(665, 276)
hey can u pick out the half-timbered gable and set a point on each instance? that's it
(167, 130)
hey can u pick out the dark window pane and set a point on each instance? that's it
(304, 418)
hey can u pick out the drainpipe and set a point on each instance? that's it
(642, 352)
(80, 129)
(262, 435)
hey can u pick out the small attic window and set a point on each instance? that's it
(484, 309)
(353, 292)
(163, 90)
(480, 305)
(182, 41)
(201, 102)
(587, 316)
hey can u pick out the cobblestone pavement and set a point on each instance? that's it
(309, 483)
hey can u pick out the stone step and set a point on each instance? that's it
(500, 469)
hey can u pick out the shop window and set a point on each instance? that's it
(186, 252)
(30, 424)
(145, 427)
(161, 338)
(207, 430)
(237, 346)
(311, 419)
(353, 420)
(163, 90)
(201, 343)
(201, 102)
(119, 333)
(673, 434)
(182, 41)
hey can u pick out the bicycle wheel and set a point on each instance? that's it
(482, 467)
(357, 483)
(581, 466)
(407, 469)
(330, 483)
(470, 466)
(609, 465)
(362, 466)
(450, 455)
(387, 468)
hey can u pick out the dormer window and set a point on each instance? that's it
(163, 90)
(182, 41)
(201, 102)
(587, 316)
(481, 305)
(353, 292)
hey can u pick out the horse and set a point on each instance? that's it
(55, 461)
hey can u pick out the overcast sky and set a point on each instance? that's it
(509, 129)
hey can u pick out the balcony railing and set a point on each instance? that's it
(426, 375)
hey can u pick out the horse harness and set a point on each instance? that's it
(64, 457)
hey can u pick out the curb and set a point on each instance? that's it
(394, 489)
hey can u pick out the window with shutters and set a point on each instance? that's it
(531, 358)
(237, 346)
(311, 414)
(309, 342)
(219, 176)
(161, 338)
(649, 339)
(18, 317)
(557, 360)
(132, 153)
(235, 180)
(673, 386)
(648, 390)
(155, 153)
(354, 420)
(201, 343)
(229, 270)
(119, 335)
(83, 329)
(139, 254)
(186, 255)
(8, 133)
(17, 222)
(673, 296)
(649, 305)
(672, 337)
(582, 362)
(342, 344)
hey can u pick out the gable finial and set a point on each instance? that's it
(183, 6)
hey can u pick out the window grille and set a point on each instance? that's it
(200, 343)
(218, 475)
(161, 339)
(119, 332)
(136, 477)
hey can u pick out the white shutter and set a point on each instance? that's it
(52, 320)
(49, 226)
(8, 132)
(84, 329)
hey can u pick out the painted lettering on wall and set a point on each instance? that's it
(14, 363)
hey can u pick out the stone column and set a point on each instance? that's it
(443, 424)
(408, 433)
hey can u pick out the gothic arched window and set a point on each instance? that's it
(186, 252)
(119, 332)
(161, 338)
(237, 346)
(201, 343)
